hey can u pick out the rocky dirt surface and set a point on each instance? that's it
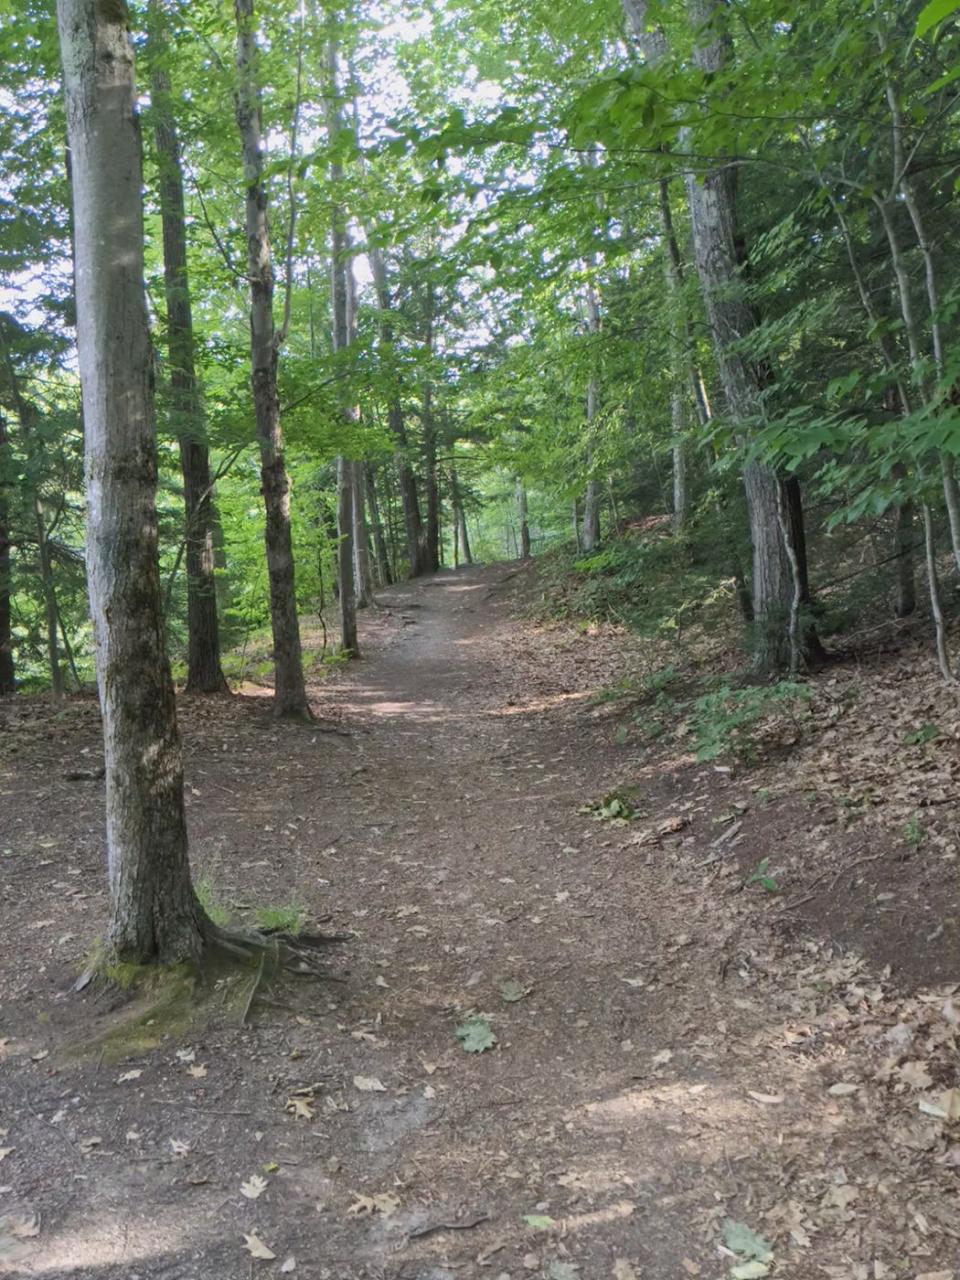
(553, 1046)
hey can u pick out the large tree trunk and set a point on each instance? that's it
(347, 596)
(713, 216)
(290, 696)
(204, 674)
(412, 521)
(155, 916)
(8, 683)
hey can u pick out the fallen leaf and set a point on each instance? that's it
(915, 1075)
(198, 1072)
(130, 1075)
(511, 990)
(623, 1270)
(689, 1266)
(288, 1264)
(749, 1271)
(300, 1108)
(561, 1270)
(87, 1145)
(843, 1089)
(369, 1084)
(476, 1035)
(186, 1055)
(254, 1187)
(256, 1248)
(4, 1152)
(739, 1238)
(539, 1221)
(662, 1058)
(770, 1098)
(179, 1148)
(936, 1275)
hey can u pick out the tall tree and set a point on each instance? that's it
(8, 681)
(155, 915)
(342, 310)
(290, 695)
(204, 673)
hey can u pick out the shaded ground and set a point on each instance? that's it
(685, 1048)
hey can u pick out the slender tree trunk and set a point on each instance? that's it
(155, 916)
(679, 453)
(590, 530)
(204, 674)
(459, 518)
(933, 582)
(712, 203)
(905, 599)
(8, 682)
(384, 576)
(363, 575)
(27, 415)
(342, 315)
(347, 597)
(290, 695)
(522, 518)
(412, 521)
(431, 545)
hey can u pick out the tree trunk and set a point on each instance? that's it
(384, 576)
(459, 518)
(290, 695)
(713, 216)
(679, 461)
(363, 575)
(590, 534)
(342, 317)
(204, 674)
(347, 597)
(522, 517)
(412, 521)
(431, 544)
(155, 916)
(8, 682)
(905, 598)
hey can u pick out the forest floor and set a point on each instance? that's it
(693, 1075)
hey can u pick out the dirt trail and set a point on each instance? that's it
(658, 1074)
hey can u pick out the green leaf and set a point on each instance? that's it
(539, 1221)
(511, 990)
(476, 1035)
(935, 12)
(739, 1238)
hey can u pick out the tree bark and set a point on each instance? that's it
(459, 518)
(382, 558)
(714, 221)
(204, 673)
(8, 681)
(290, 695)
(342, 316)
(406, 477)
(522, 518)
(905, 598)
(155, 916)
(431, 540)
(590, 530)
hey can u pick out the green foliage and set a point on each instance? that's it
(914, 832)
(288, 919)
(729, 721)
(920, 737)
(761, 876)
(211, 902)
